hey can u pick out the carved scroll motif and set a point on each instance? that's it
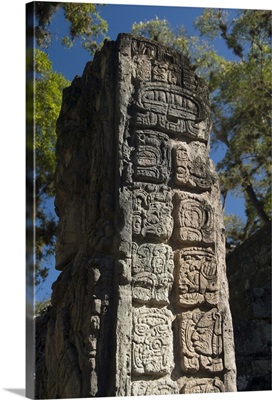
(197, 277)
(204, 385)
(151, 341)
(152, 388)
(152, 215)
(152, 273)
(152, 158)
(194, 220)
(171, 109)
(191, 167)
(201, 341)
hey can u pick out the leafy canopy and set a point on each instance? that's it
(48, 97)
(85, 25)
(241, 106)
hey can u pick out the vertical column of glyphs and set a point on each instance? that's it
(177, 325)
(152, 266)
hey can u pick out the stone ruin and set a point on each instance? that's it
(141, 305)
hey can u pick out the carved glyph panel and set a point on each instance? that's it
(143, 48)
(172, 109)
(191, 166)
(197, 281)
(152, 214)
(152, 157)
(194, 222)
(151, 341)
(152, 273)
(164, 72)
(141, 69)
(151, 63)
(157, 387)
(201, 341)
(204, 385)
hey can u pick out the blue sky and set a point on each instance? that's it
(120, 17)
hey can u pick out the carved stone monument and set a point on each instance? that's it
(141, 306)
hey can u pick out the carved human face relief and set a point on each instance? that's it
(201, 340)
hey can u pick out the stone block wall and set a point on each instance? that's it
(249, 275)
(141, 305)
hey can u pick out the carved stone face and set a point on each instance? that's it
(206, 336)
(202, 339)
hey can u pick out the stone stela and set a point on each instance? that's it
(141, 306)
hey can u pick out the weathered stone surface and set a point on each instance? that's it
(152, 273)
(201, 340)
(151, 342)
(249, 274)
(141, 306)
(198, 280)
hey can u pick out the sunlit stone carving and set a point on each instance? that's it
(194, 220)
(152, 273)
(197, 281)
(152, 215)
(204, 385)
(151, 341)
(201, 340)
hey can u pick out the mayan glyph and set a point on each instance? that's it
(143, 292)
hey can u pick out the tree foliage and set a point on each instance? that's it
(48, 97)
(161, 31)
(198, 51)
(241, 90)
(234, 227)
(241, 106)
(85, 25)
